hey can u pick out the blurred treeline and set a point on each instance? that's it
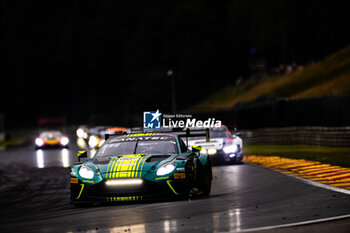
(89, 59)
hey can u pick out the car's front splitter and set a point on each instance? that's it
(100, 192)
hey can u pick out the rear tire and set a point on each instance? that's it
(189, 184)
(206, 187)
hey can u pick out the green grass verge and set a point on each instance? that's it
(13, 142)
(324, 78)
(339, 156)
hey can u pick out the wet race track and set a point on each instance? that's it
(243, 198)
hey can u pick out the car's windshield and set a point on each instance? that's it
(219, 134)
(156, 147)
(214, 134)
(114, 148)
(50, 135)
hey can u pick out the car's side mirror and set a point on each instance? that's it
(82, 154)
(196, 148)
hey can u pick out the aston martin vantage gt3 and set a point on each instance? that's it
(140, 166)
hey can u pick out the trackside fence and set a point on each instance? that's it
(303, 135)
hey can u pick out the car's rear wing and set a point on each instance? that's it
(108, 135)
(181, 132)
(195, 133)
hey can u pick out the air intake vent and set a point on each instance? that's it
(101, 161)
(157, 158)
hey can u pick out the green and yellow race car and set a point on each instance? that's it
(140, 166)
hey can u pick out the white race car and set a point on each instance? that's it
(223, 145)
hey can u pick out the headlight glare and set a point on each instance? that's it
(80, 133)
(93, 141)
(232, 155)
(212, 151)
(230, 149)
(165, 169)
(86, 172)
(64, 141)
(39, 142)
(135, 181)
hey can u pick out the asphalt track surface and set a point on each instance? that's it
(244, 198)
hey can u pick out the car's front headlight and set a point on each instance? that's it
(230, 149)
(93, 141)
(64, 141)
(211, 151)
(80, 133)
(86, 172)
(39, 142)
(165, 169)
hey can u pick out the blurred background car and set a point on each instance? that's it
(223, 146)
(82, 132)
(97, 135)
(53, 138)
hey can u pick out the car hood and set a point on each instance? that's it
(133, 165)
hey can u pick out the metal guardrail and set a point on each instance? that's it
(302, 135)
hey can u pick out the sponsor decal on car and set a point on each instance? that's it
(179, 176)
(120, 167)
(74, 180)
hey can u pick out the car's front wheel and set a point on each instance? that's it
(206, 186)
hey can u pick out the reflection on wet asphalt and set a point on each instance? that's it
(40, 158)
(243, 197)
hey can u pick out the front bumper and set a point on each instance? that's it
(89, 191)
(51, 145)
(230, 157)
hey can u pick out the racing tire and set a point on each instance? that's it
(189, 180)
(206, 186)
